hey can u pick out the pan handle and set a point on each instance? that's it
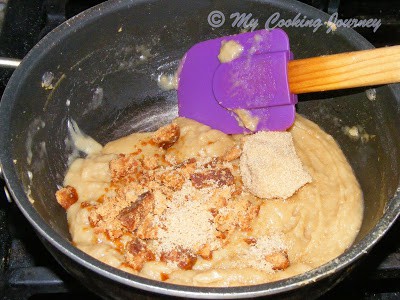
(9, 62)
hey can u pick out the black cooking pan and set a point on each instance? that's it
(102, 83)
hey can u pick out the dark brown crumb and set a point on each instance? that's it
(251, 241)
(137, 254)
(164, 276)
(185, 259)
(204, 179)
(132, 216)
(67, 196)
(166, 136)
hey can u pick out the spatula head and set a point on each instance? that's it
(209, 91)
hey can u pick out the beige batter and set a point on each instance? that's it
(229, 51)
(317, 223)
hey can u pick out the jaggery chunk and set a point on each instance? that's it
(204, 179)
(185, 259)
(166, 136)
(66, 196)
(132, 216)
(137, 254)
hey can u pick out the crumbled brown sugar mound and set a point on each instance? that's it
(270, 167)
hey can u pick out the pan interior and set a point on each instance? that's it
(105, 75)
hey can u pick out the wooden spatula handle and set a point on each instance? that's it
(345, 70)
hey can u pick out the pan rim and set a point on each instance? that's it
(62, 245)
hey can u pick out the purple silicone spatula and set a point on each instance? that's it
(264, 80)
(212, 102)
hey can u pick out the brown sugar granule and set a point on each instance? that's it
(85, 204)
(94, 221)
(166, 136)
(251, 241)
(172, 179)
(150, 163)
(205, 252)
(137, 254)
(123, 165)
(221, 235)
(270, 167)
(220, 177)
(132, 216)
(278, 260)
(185, 259)
(164, 276)
(67, 196)
(138, 151)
